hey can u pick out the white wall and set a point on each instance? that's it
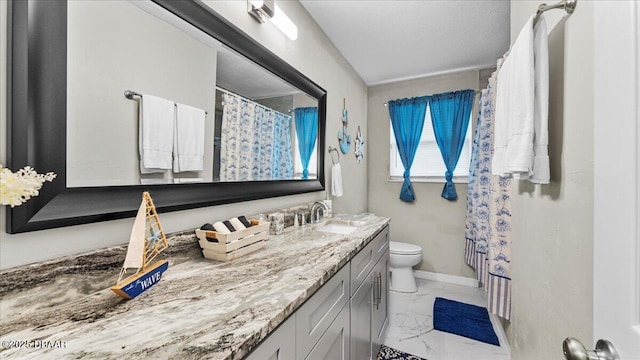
(436, 224)
(552, 253)
(312, 54)
(104, 61)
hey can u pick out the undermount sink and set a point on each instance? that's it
(336, 228)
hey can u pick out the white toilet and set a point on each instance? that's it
(402, 257)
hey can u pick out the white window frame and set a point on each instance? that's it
(297, 161)
(435, 172)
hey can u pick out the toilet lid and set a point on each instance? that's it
(404, 248)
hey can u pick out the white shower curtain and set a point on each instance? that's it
(488, 222)
(255, 142)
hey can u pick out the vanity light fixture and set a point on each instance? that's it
(263, 10)
(282, 22)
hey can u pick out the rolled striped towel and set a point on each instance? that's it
(244, 221)
(237, 224)
(227, 223)
(221, 227)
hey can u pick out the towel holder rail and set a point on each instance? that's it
(568, 5)
(130, 94)
(332, 149)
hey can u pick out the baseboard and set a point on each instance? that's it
(500, 333)
(452, 279)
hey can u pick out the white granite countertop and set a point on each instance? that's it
(201, 309)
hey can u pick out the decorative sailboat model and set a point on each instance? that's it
(147, 241)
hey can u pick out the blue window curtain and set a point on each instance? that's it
(450, 118)
(407, 120)
(307, 131)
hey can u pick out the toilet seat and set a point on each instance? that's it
(401, 248)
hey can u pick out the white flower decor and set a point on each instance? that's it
(16, 188)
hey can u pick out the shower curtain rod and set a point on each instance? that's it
(244, 97)
(229, 92)
(568, 5)
(130, 94)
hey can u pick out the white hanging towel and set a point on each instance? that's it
(336, 180)
(521, 115)
(188, 146)
(540, 172)
(155, 133)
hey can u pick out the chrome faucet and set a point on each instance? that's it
(315, 211)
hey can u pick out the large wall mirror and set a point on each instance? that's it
(165, 96)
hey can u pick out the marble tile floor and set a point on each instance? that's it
(411, 325)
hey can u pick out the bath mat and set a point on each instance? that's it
(387, 353)
(462, 319)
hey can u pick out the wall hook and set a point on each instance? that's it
(358, 150)
(343, 138)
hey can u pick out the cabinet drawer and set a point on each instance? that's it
(361, 266)
(381, 243)
(314, 317)
(363, 262)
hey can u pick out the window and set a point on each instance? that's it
(297, 162)
(428, 165)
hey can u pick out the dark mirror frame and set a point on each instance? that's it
(36, 124)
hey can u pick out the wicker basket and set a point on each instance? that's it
(233, 245)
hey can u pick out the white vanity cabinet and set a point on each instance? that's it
(319, 329)
(361, 321)
(280, 344)
(317, 314)
(344, 319)
(334, 343)
(369, 302)
(380, 305)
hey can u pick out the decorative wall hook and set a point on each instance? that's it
(358, 150)
(343, 138)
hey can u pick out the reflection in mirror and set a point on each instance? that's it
(103, 125)
(231, 120)
(256, 136)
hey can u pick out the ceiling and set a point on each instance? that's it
(242, 76)
(234, 72)
(392, 40)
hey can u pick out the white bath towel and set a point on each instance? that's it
(336, 180)
(188, 147)
(540, 169)
(513, 142)
(155, 133)
(521, 115)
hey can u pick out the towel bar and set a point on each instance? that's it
(130, 94)
(568, 5)
(336, 150)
